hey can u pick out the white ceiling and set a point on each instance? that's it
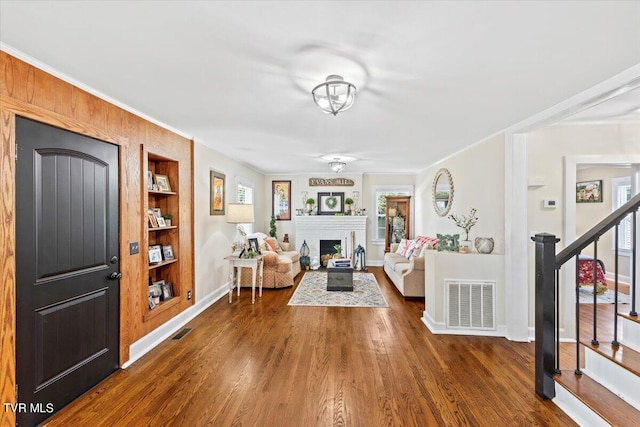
(434, 77)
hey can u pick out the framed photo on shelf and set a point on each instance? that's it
(155, 254)
(161, 222)
(152, 303)
(217, 193)
(167, 291)
(281, 194)
(167, 252)
(153, 221)
(155, 292)
(253, 244)
(156, 212)
(150, 181)
(589, 191)
(330, 203)
(163, 183)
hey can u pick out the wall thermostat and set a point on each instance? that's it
(550, 203)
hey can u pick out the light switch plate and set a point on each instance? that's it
(134, 248)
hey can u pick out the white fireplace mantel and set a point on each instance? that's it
(313, 228)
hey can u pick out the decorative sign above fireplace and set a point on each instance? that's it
(331, 182)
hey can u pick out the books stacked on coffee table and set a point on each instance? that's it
(340, 263)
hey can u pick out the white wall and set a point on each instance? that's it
(213, 236)
(300, 183)
(478, 181)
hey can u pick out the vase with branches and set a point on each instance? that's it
(466, 222)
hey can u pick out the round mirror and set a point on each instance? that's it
(442, 192)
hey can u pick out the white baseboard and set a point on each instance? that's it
(440, 328)
(164, 331)
(625, 280)
(563, 337)
(375, 263)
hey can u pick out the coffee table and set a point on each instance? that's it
(340, 279)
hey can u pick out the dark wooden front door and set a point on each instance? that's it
(67, 263)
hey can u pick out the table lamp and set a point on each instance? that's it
(239, 213)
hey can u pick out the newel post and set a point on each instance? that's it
(545, 314)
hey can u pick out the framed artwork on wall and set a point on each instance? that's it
(281, 194)
(217, 193)
(330, 203)
(589, 191)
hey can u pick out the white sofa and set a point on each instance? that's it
(406, 274)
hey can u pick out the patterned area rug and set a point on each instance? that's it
(586, 296)
(312, 291)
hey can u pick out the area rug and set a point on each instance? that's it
(586, 296)
(312, 291)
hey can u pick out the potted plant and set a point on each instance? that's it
(167, 219)
(310, 203)
(251, 253)
(466, 222)
(273, 230)
(348, 202)
(338, 249)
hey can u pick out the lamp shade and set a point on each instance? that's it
(239, 213)
(392, 212)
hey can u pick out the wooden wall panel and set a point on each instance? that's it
(7, 266)
(33, 93)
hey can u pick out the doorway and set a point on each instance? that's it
(67, 266)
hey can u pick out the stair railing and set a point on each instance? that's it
(547, 291)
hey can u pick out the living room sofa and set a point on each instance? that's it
(280, 266)
(406, 272)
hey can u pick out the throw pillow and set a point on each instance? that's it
(403, 246)
(273, 244)
(414, 249)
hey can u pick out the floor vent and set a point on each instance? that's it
(470, 304)
(182, 333)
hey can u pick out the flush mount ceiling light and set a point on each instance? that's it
(334, 95)
(336, 165)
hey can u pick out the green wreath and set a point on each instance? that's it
(331, 202)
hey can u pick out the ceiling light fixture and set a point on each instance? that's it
(334, 95)
(336, 165)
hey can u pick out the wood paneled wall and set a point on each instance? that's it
(30, 92)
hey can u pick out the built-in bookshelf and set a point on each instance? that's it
(161, 215)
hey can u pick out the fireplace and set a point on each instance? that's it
(327, 250)
(313, 228)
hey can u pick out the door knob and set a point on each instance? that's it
(116, 275)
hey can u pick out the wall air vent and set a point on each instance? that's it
(470, 304)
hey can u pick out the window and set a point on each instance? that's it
(621, 193)
(380, 205)
(244, 195)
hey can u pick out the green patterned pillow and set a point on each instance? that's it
(448, 242)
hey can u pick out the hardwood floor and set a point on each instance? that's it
(271, 364)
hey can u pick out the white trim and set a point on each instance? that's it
(516, 265)
(440, 328)
(48, 69)
(401, 188)
(158, 335)
(615, 183)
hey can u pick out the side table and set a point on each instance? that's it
(235, 264)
